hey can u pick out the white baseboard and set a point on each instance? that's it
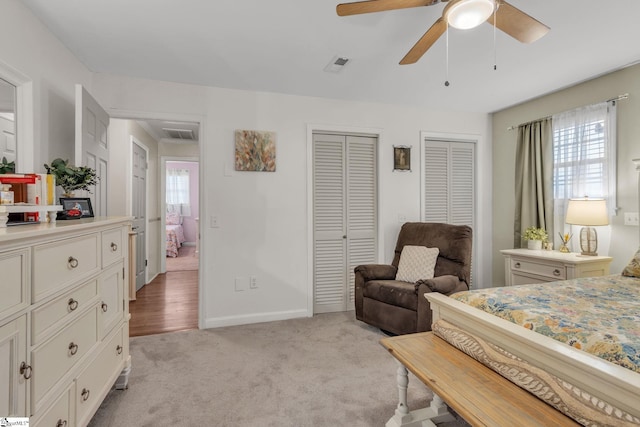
(217, 322)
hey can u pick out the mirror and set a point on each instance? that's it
(8, 148)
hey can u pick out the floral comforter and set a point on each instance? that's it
(175, 239)
(600, 315)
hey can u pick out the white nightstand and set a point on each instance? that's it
(524, 266)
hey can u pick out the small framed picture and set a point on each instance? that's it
(83, 204)
(402, 158)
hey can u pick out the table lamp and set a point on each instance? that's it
(587, 212)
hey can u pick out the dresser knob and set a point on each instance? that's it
(556, 272)
(61, 423)
(85, 394)
(119, 349)
(25, 370)
(72, 262)
(104, 306)
(73, 348)
(517, 265)
(114, 247)
(73, 304)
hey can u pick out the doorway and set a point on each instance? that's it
(169, 301)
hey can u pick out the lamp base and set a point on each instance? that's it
(589, 241)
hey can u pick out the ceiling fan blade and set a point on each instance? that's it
(426, 41)
(518, 24)
(369, 6)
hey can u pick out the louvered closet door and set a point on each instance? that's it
(449, 183)
(345, 217)
(362, 218)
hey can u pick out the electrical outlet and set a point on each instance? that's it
(215, 221)
(253, 282)
(402, 218)
(631, 218)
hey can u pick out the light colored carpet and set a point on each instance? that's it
(187, 259)
(328, 370)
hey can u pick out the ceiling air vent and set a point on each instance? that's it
(337, 64)
(186, 134)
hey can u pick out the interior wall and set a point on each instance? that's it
(624, 239)
(262, 217)
(28, 46)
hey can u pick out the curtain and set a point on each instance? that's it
(177, 191)
(534, 178)
(584, 157)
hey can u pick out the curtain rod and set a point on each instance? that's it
(617, 98)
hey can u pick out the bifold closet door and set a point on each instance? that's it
(344, 216)
(449, 183)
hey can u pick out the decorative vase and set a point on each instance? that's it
(534, 244)
(564, 249)
(68, 195)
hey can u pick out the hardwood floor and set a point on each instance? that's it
(168, 303)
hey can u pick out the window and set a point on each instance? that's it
(177, 191)
(584, 155)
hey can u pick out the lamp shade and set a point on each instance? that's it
(466, 14)
(588, 212)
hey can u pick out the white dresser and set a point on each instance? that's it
(64, 318)
(525, 266)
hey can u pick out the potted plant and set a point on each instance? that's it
(7, 167)
(72, 178)
(535, 237)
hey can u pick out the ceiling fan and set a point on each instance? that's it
(461, 14)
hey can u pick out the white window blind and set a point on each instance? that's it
(584, 157)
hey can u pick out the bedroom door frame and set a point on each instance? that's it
(163, 202)
(117, 113)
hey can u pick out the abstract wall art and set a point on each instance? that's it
(255, 151)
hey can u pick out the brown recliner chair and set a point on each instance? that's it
(400, 307)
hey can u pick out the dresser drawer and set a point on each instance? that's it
(550, 271)
(61, 413)
(14, 270)
(111, 284)
(57, 265)
(57, 356)
(96, 380)
(47, 317)
(112, 246)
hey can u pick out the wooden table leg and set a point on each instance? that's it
(436, 412)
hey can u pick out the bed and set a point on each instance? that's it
(174, 234)
(574, 344)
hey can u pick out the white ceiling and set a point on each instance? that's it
(284, 45)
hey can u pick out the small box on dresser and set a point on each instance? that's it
(525, 266)
(64, 329)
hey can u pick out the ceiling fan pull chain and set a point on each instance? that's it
(446, 82)
(495, 49)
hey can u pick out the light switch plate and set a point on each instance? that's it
(631, 218)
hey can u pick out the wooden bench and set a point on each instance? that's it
(478, 394)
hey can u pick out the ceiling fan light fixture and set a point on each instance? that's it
(467, 14)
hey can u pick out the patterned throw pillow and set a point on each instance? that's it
(633, 268)
(416, 263)
(173, 218)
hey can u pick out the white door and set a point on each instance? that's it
(448, 182)
(92, 145)
(139, 210)
(345, 216)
